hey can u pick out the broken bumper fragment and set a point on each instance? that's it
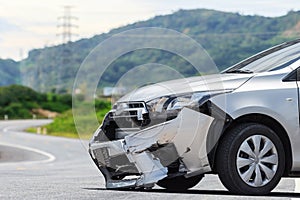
(139, 160)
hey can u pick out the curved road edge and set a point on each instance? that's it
(13, 153)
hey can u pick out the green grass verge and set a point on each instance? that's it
(64, 125)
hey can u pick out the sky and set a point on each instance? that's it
(30, 24)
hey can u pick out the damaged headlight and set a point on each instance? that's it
(171, 103)
(176, 103)
(188, 100)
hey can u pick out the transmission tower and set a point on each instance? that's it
(66, 25)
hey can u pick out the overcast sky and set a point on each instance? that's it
(28, 24)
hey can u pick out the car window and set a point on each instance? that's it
(293, 76)
(273, 59)
(285, 64)
(298, 74)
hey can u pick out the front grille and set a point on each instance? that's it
(130, 117)
(130, 107)
(130, 114)
(124, 119)
(123, 114)
(136, 105)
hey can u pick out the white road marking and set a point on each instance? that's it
(51, 157)
(297, 185)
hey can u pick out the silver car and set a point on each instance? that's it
(242, 124)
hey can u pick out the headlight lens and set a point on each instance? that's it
(189, 100)
(157, 105)
(177, 102)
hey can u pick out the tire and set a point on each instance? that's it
(250, 159)
(179, 183)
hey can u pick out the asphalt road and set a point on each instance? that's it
(44, 167)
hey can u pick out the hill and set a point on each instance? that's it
(9, 72)
(228, 38)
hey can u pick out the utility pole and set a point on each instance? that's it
(66, 26)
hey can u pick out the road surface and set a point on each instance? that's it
(44, 167)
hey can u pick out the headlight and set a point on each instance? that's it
(171, 103)
(158, 105)
(188, 100)
(191, 100)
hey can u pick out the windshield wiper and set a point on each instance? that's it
(240, 71)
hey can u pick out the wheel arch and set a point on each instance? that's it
(260, 119)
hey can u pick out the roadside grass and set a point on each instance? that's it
(64, 126)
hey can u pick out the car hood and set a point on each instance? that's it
(186, 85)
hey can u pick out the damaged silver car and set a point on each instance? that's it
(242, 124)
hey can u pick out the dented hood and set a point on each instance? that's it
(187, 85)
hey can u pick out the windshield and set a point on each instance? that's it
(272, 59)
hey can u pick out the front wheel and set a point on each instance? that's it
(250, 159)
(179, 183)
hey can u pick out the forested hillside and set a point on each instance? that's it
(9, 72)
(228, 38)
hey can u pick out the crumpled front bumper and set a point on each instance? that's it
(141, 159)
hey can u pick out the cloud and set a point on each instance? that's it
(6, 26)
